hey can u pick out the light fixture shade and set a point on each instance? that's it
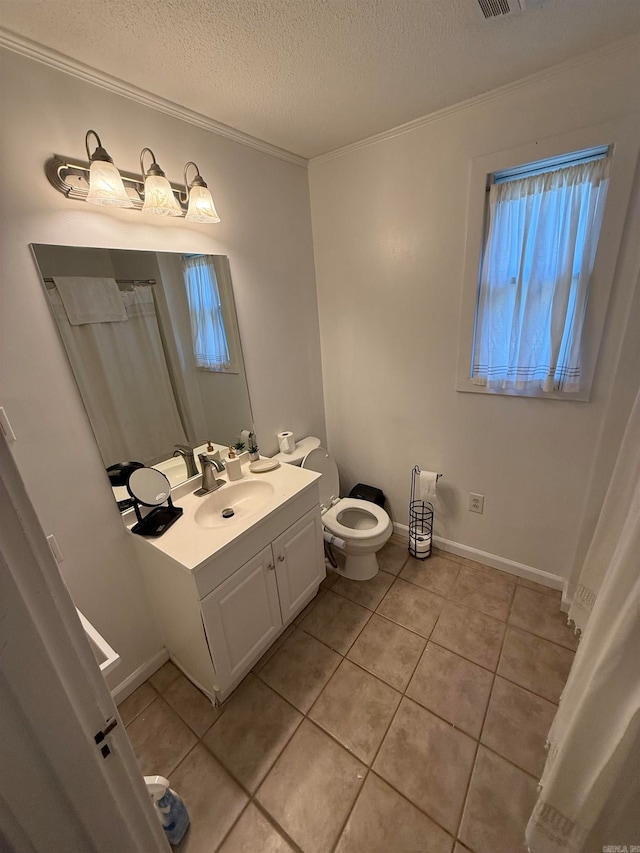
(105, 185)
(159, 197)
(201, 207)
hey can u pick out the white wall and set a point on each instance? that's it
(265, 231)
(389, 236)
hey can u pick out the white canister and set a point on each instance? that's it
(286, 441)
(233, 466)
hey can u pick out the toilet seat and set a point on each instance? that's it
(319, 459)
(331, 519)
(371, 528)
(333, 507)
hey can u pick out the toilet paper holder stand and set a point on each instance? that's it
(420, 519)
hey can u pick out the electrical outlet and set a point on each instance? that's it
(476, 503)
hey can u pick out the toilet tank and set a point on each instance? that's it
(302, 448)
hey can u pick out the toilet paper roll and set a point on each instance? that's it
(428, 485)
(286, 441)
(333, 540)
(420, 544)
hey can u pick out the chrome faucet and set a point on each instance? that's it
(209, 467)
(187, 454)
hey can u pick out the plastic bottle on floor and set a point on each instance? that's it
(170, 809)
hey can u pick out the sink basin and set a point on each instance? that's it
(237, 501)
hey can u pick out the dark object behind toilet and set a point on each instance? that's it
(368, 493)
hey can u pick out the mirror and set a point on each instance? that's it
(153, 342)
(148, 486)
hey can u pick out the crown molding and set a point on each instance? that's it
(629, 43)
(54, 59)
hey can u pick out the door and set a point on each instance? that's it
(299, 556)
(60, 791)
(242, 617)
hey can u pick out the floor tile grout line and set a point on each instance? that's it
(344, 657)
(540, 637)
(142, 710)
(504, 576)
(419, 808)
(355, 601)
(362, 669)
(233, 826)
(350, 812)
(369, 768)
(484, 719)
(337, 651)
(370, 765)
(383, 616)
(268, 816)
(305, 716)
(272, 764)
(491, 616)
(402, 692)
(377, 752)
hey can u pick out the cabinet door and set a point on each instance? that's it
(299, 556)
(242, 617)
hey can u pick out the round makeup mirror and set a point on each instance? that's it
(148, 486)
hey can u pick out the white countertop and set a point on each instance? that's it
(191, 545)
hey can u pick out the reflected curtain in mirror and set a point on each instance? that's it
(122, 375)
(210, 347)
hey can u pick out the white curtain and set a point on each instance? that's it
(595, 737)
(541, 242)
(123, 378)
(210, 346)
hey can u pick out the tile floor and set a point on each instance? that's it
(406, 714)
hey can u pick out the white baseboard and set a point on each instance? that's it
(133, 681)
(520, 570)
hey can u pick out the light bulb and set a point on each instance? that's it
(201, 207)
(159, 197)
(105, 183)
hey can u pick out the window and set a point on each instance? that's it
(542, 230)
(210, 345)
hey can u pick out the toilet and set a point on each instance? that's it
(363, 526)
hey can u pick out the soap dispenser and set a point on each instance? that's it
(234, 466)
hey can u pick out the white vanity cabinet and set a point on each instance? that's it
(244, 615)
(219, 615)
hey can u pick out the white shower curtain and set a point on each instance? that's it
(595, 736)
(122, 374)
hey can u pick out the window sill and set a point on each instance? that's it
(466, 385)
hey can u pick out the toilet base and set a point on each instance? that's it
(360, 567)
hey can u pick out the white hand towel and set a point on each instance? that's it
(428, 481)
(90, 300)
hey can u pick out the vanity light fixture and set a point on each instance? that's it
(98, 181)
(201, 207)
(105, 183)
(158, 195)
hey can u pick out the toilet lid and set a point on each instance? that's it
(320, 460)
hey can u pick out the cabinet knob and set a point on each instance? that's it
(271, 567)
(281, 558)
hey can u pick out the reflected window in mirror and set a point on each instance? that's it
(208, 333)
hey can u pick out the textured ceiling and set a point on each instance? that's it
(312, 75)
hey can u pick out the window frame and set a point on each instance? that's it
(622, 137)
